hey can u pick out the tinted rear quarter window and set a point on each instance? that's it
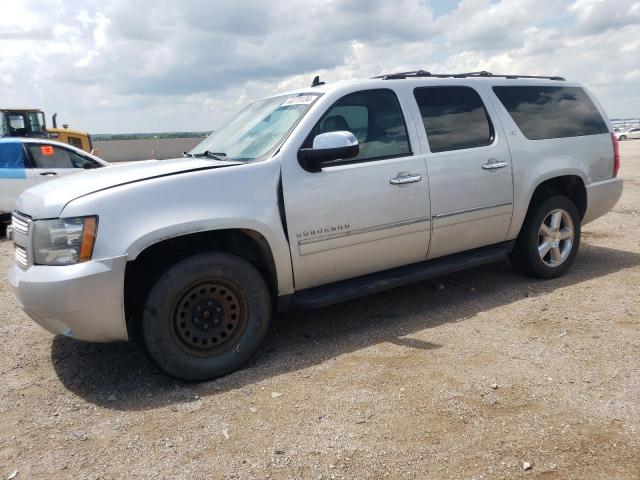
(551, 112)
(454, 118)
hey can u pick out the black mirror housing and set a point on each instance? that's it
(329, 148)
(313, 159)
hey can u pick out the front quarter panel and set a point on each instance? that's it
(135, 216)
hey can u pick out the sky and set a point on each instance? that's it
(121, 66)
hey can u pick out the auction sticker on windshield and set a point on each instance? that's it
(301, 100)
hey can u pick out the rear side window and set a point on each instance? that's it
(454, 118)
(551, 112)
(12, 160)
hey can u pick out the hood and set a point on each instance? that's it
(47, 199)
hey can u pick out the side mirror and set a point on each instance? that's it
(329, 149)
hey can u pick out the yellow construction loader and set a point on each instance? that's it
(30, 122)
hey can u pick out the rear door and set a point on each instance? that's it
(15, 176)
(51, 161)
(469, 165)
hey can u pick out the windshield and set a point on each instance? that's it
(258, 130)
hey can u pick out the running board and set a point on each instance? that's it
(324, 295)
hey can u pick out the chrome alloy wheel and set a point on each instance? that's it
(555, 238)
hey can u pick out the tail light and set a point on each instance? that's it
(616, 154)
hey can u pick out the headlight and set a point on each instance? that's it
(64, 241)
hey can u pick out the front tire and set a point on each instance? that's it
(206, 316)
(549, 239)
(622, 137)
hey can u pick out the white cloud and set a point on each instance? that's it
(149, 65)
(486, 25)
(596, 16)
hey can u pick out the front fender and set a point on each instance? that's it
(275, 242)
(133, 217)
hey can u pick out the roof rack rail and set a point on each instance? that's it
(483, 73)
(400, 75)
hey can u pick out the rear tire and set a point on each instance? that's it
(206, 316)
(549, 239)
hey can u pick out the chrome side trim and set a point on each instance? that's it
(359, 231)
(469, 210)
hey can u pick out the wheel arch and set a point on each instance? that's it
(568, 183)
(571, 186)
(149, 262)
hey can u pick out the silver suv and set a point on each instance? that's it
(313, 197)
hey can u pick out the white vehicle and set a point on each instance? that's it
(312, 197)
(25, 162)
(632, 133)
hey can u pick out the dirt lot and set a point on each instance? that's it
(466, 381)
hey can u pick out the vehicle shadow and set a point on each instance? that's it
(120, 377)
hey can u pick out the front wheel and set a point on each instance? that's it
(206, 316)
(549, 239)
(622, 137)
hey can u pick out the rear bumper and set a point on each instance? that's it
(601, 198)
(83, 301)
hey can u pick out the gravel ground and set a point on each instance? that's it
(469, 376)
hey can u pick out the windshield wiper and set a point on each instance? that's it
(207, 153)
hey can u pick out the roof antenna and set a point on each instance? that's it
(316, 82)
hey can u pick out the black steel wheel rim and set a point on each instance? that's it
(209, 317)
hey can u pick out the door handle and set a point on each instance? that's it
(493, 164)
(403, 178)
(48, 174)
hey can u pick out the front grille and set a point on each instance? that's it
(21, 225)
(21, 256)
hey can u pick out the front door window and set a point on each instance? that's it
(375, 118)
(52, 157)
